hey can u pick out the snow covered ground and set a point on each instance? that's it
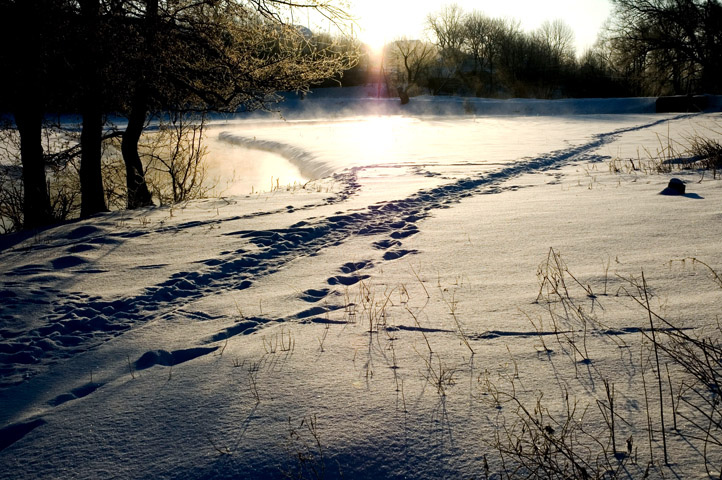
(389, 319)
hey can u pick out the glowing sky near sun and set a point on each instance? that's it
(381, 21)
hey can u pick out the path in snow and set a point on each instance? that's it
(75, 322)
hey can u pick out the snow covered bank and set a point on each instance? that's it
(304, 161)
(380, 322)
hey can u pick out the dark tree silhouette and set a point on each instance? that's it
(672, 46)
(27, 29)
(143, 57)
(92, 196)
(213, 55)
(411, 60)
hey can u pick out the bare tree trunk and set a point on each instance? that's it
(28, 113)
(36, 201)
(92, 195)
(138, 193)
(91, 179)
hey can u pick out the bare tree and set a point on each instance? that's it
(449, 34)
(175, 158)
(447, 27)
(410, 61)
(512, 46)
(91, 108)
(557, 38)
(60, 155)
(477, 31)
(484, 37)
(672, 45)
(30, 29)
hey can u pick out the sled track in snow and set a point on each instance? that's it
(80, 322)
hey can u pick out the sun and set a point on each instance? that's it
(374, 36)
(379, 21)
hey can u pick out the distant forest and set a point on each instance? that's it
(647, 48)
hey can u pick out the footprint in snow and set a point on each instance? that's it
(386, 244)
(312, 296)
(69, 261)
(406, 232)
(315, 311)
(394, 254)
(83, 231)
(244, 327)
(76, 393)
(169, 359)
(13, 433)
(80, 248)
(352, 267)
(346, 280)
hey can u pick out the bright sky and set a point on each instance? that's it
(384, 20)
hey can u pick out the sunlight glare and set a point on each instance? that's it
(378, 23)
(375, 137)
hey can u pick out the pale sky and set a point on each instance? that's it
(384, 20)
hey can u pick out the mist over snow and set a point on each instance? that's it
(379, 291)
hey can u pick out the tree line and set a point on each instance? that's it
(647, 48)
(136, 59)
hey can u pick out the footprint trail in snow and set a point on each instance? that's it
(78, 321)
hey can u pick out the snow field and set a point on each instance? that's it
(330, 330)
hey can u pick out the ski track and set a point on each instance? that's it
(77, 322)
